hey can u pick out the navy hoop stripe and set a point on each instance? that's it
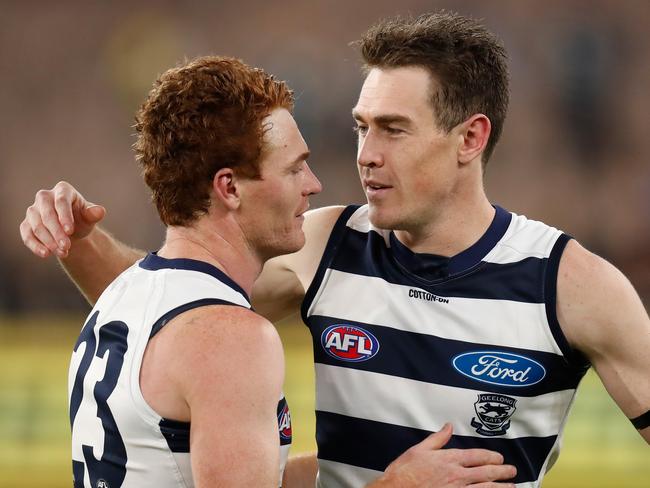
(374, 445)
(430, 359)
(177, 434)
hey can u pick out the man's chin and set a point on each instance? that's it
(290, 245)
(379, 219)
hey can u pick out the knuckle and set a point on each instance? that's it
(39, 228)
(64, 193)
(42, 196)
(47, 212)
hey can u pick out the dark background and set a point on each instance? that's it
(573, 153)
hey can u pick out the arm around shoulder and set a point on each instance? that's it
(602, 316)
(96, 260)
(301, 471)
(279, 290)
(61, 222)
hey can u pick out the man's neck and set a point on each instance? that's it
(453, 230)
(225, 249)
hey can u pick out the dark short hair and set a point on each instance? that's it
(468, 62)
(199, 118)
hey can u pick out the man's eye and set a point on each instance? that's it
(360, 129)
(393, 130)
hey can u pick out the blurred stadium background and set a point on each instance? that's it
(573, 154)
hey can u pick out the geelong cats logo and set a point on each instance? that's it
(349, 343)
(493, 412)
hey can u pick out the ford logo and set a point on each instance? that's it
(499, 368)
(349, 343)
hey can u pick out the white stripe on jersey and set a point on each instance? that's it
(524, 238)
(499, 322)
(339, 475)
(418, 404)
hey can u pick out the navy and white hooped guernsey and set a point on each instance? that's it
(405, 342)
(118, 440)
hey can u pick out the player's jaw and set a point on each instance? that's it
(384, 202)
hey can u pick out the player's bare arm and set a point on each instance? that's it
(279, 290)
(427, 465)
(602, 315)
(424, 465)
(62, 223)
(300, 471)
(236, 443)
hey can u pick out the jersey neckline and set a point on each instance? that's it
(433, 267)
(153, 262)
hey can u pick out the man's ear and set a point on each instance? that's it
(475, 133)
(225, 187)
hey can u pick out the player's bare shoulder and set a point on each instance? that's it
(322, 220)
(218, 345)
(317, 228)
(280, 288)
(595, 300)
(220, 326)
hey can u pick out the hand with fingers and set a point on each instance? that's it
(427, 465)
(58, 217)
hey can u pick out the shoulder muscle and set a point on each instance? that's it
(602, 315)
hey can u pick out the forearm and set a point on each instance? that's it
(300, 471)
(388, 481)
(96, 260)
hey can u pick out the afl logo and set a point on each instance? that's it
(349, 343)
(284, 421)
(499, 368)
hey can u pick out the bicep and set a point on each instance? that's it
(301, 471)
(232, 380)
(235, 446)
(602, 316)
(277, 292)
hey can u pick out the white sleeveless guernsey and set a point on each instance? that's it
(404, 342)
(117, 439)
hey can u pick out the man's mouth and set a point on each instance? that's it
(375, 187)
(302, 212)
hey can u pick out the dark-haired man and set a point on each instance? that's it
(429, 303)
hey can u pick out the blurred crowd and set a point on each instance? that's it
(573, 153)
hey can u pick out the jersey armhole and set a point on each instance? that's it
(142, 407)
(330, 250)
(203, 302)
(574, 357)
